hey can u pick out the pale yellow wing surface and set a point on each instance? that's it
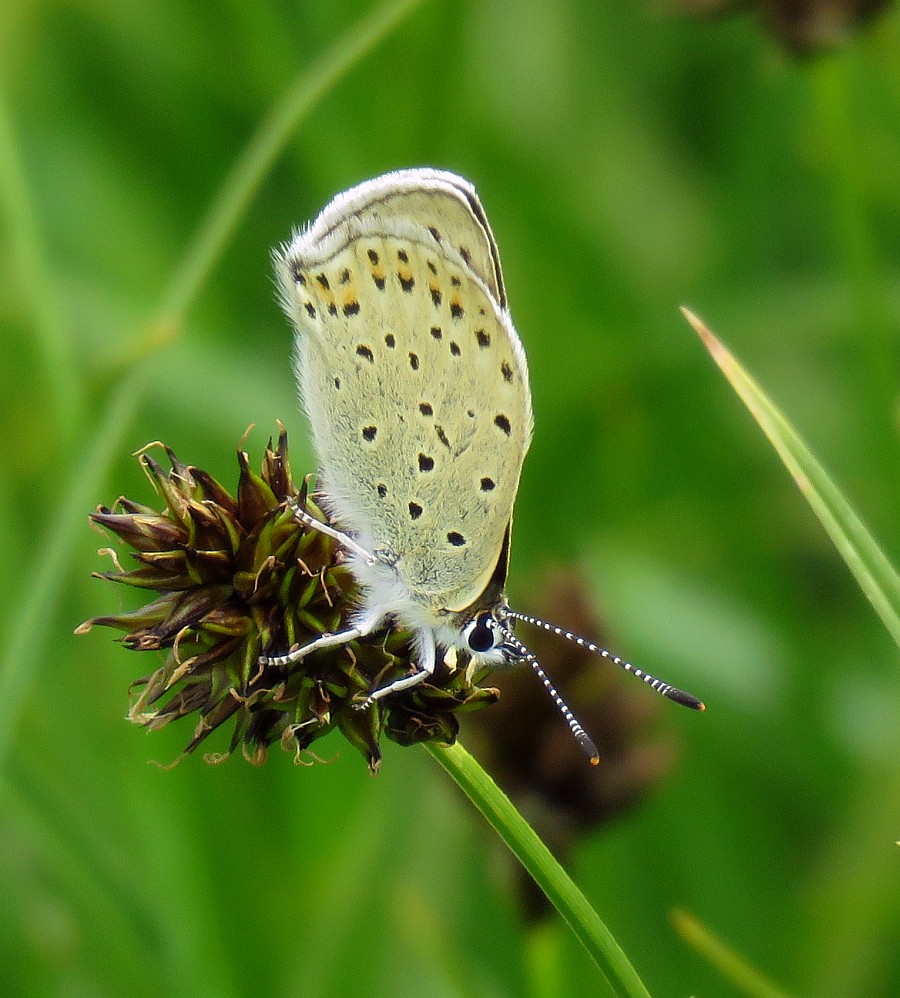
(414, 381)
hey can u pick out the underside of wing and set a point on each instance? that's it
(440, 202)
(415, 384)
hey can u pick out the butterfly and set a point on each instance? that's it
(416, 387)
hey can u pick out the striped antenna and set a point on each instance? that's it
(581, 736)
(664, 689)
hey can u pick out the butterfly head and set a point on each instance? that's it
(487, 635)
(487, 639)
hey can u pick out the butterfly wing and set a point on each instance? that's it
(413, 378)
(441, 202)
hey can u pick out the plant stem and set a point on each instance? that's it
(537, 859)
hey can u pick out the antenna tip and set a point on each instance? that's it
(588, 747)
(685, 699)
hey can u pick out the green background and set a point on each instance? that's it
(630, 160)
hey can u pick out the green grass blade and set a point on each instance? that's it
(100, 877)
(732, 965)
(41, 588)
(32, 606)
(537, 859)
(23, 244)
(268, 142)
(872, 570)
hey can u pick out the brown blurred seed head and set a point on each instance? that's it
(804, 27)
(530, 750)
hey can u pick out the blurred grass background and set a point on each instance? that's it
(630, 160)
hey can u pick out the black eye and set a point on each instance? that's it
(481, 637)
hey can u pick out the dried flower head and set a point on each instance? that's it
(238, 577)
(804, 27)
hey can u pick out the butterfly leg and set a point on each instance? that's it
(360, 630)
(427, 659)
(345, 540)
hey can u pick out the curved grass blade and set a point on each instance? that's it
(872, 570)
(729, 962)
(537, 859)
(23, 244)
(41, 587)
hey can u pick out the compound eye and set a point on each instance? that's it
(481, 636)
